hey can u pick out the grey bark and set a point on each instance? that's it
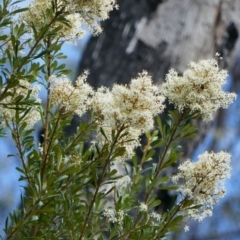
(158, 35)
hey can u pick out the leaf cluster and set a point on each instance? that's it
(69, 182)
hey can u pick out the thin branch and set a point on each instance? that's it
(47, 117)
(99, 183)
(159, 168)
(21, 154)
(79, 136)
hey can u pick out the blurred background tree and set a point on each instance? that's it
(157, 35)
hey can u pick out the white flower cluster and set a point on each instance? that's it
(128, 109)
(77, 12)
(123, 183)
(92, 11)
(7, 104)
(199, 89)
(202, 182)
(68, 98)
(143, 207)
(113, 216)
(38, 16)
(156, 216)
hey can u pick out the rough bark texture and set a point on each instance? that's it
(158, 35)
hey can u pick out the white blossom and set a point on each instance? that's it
(156, 216)
(92, 11)
(186, 228)
(123, 183)
(110, 215)
(143, 207)
(68, 98)
(202, 182)
(113, 216)
(76, 12)
(38, 16)
(128, 109)
(120, 216)
(139, 102)
(199, 89)
(40, 148)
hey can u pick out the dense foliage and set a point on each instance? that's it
(93, 185)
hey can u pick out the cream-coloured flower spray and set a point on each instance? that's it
(92, 184)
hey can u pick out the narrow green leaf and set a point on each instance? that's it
(149, 156)
(60, 179)
(168, 187)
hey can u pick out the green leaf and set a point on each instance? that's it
(94, 175)
(134, 159)
(195, 207)
(149, 155)
(70, 170)
(163, 179)
(157, 143)
(160, 126)
(168, 187)
(47, 210)
(60, 179)
(20, 170)
(58, 156)
(120, 151)
(175, 221)
(153, 203)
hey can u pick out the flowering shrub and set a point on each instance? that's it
(199, 89)
(202, 182)
(105, 190)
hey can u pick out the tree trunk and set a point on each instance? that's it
(157, 35)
